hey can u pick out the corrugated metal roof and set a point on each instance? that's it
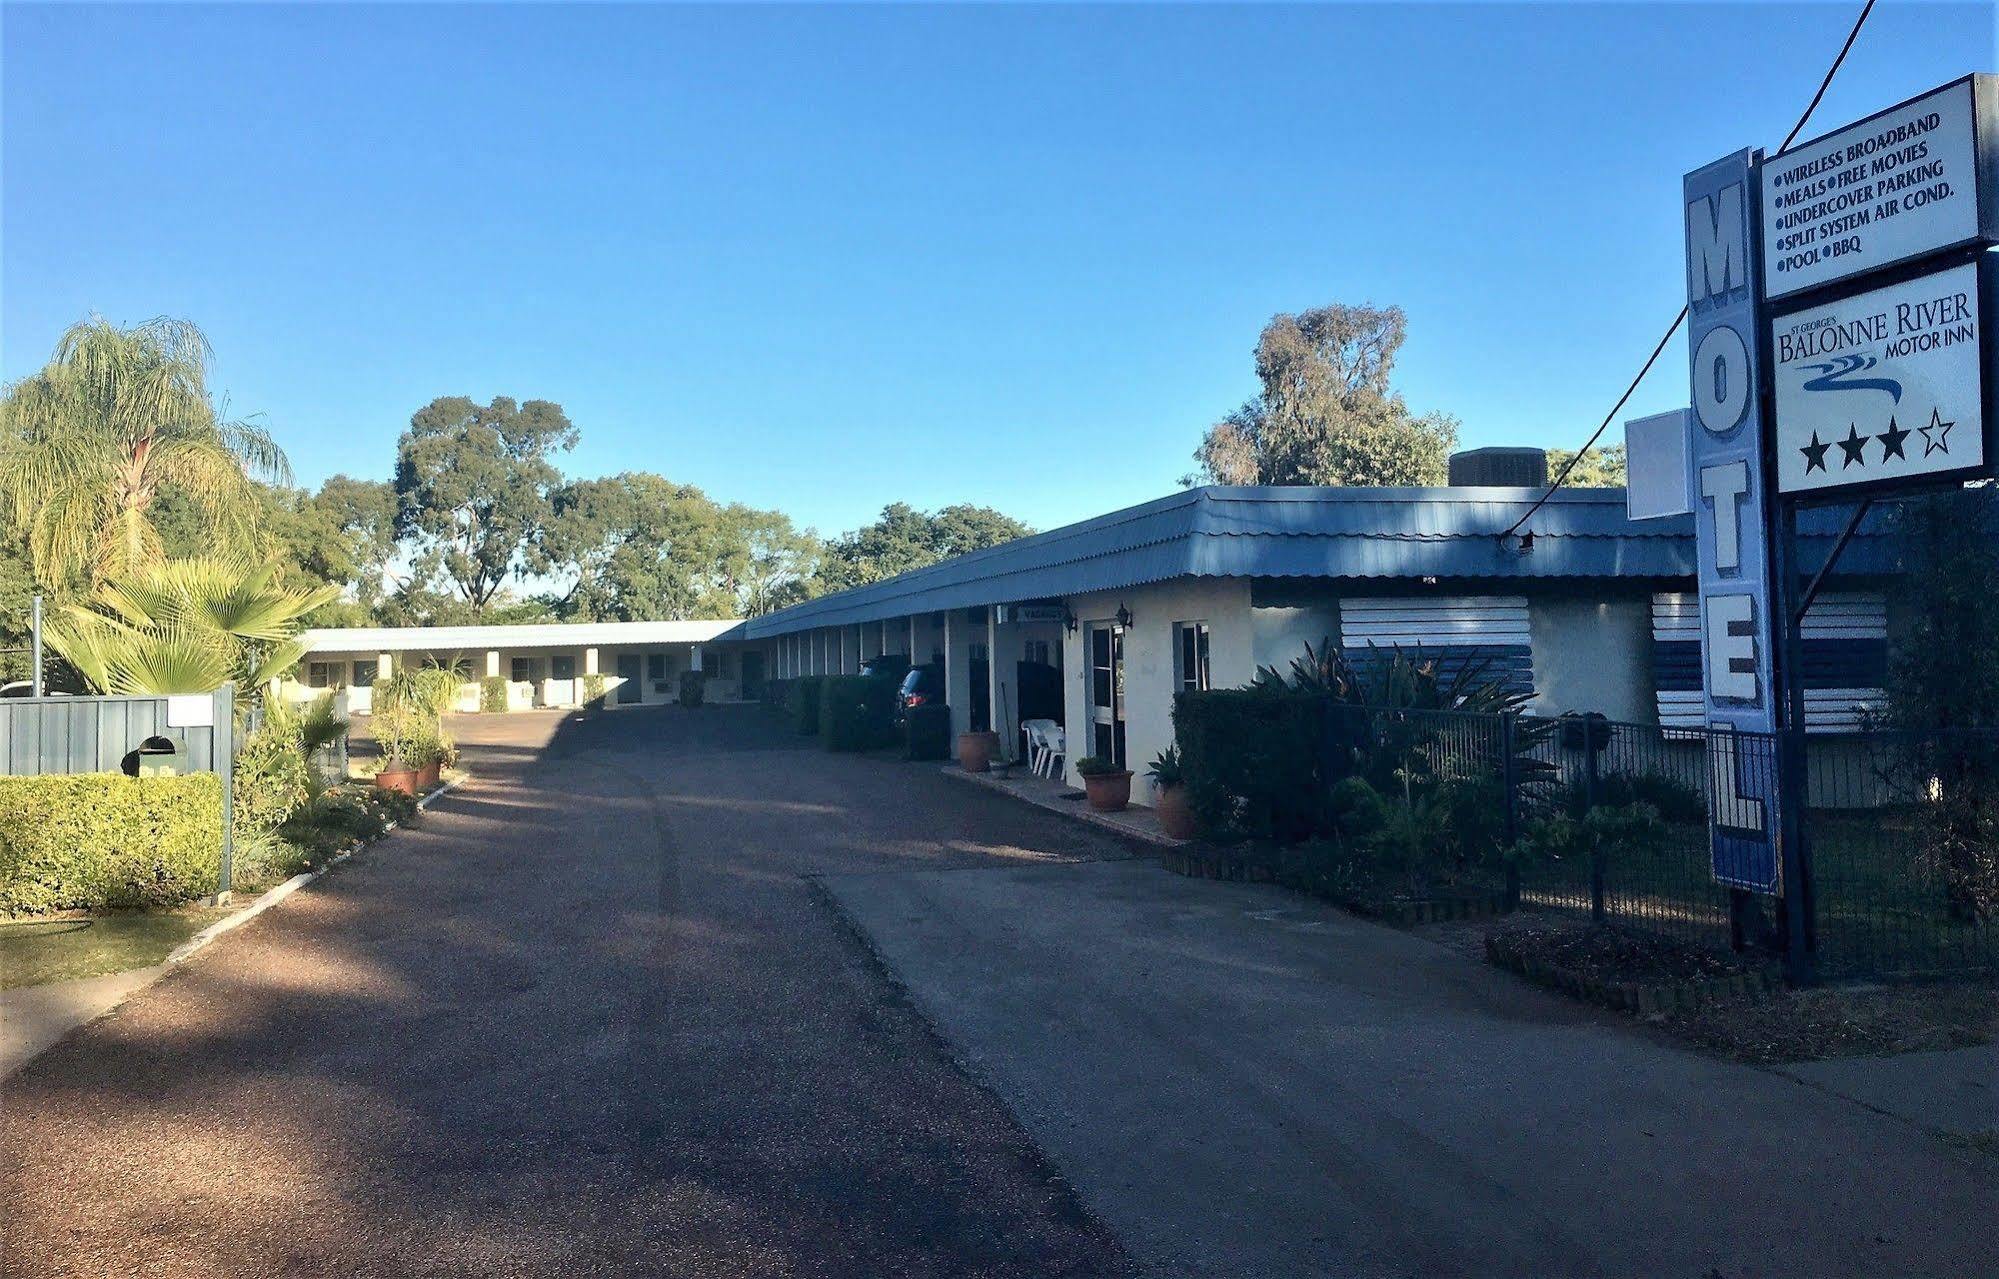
(1300, 532)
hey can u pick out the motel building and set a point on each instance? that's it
(549, 665)
(1097, 625)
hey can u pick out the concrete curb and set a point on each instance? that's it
(273, 896)
(195, 944)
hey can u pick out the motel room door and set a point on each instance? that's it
(629, 670)
(1106, 656)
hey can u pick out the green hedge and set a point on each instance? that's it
(803, 703)
(89, 840)
(693, 688)
(857, 712)
(493, 694)
(927, 732)
(1251, 758)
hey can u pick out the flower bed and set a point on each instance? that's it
(1630, 971)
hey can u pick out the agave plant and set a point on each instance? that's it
(186, 626)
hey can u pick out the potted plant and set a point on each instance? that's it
(1169, 786)
(393, 737)
(975, 751)
(1108, 786)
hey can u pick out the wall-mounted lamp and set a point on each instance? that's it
(1527, 542)
(1123, 616)
(1068, 621)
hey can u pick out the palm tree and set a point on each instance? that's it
(116, 416)
(186, 626)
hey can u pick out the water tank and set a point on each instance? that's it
(1500, 468)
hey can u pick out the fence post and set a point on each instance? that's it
(1800, 927)
(1508, 783)
(224, 739)
(1598, 910)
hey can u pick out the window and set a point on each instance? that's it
(715, 664)
(655, 666)
(364, 674)
(1191, 645)
(522, 670)
(562, 666)
(319, 674)
(1036, 651)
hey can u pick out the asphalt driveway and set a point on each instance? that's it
(590, 1017)
(663, 993)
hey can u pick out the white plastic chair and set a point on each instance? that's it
(1056, 746)
(1037, 741)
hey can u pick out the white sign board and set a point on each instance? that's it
(1655, 465)
(191, 710)
(1893, 187)
(1883, 386)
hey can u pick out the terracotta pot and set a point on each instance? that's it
(1109, 792)
(975, 751)
(402, 779)
(427, 775)
(1175, 819)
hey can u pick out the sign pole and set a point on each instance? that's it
(37, 627)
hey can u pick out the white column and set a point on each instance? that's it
(914, 660)
(492, 662)
(385, 665)
(884, 635)
(993, 683)
(694, 660)
(589, 661)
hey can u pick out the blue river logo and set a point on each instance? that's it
(1839, 375)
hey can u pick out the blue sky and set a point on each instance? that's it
(827, 258)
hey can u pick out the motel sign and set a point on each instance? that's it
(1840, 302)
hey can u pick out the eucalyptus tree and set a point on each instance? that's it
(1326, 413)
(117, 418)
(475, 487)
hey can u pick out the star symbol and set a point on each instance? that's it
(1852, 446)
(1939, 442)
(1814, 454)
(1891, 441)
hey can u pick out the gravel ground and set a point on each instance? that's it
(592, 1016)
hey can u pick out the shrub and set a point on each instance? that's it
(270, 780)
(343, 817)
(1165, 769)
(1252, 761)
(1097, 766)
(593, 691)
(856, 712)
(89, 840)
(804, 703)
(493, 694)
(1674, 800)
(927, 731)
(693, 688)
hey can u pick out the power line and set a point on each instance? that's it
(1824, 84)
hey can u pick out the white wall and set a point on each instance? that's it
(1594, 654)
(1149, 668)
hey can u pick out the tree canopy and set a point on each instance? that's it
(904, 538)
(116, 420)
(475, 488)
(1601, 467)
(1327, 413)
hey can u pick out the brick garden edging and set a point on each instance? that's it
(1642, 998)
(1198, 863)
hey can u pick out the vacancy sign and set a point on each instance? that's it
(1898, 185)
(1884, 387)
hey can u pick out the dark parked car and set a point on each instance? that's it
(922, 686)
(891, 665)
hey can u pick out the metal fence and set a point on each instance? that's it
(191, 734)
(1901, 830)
